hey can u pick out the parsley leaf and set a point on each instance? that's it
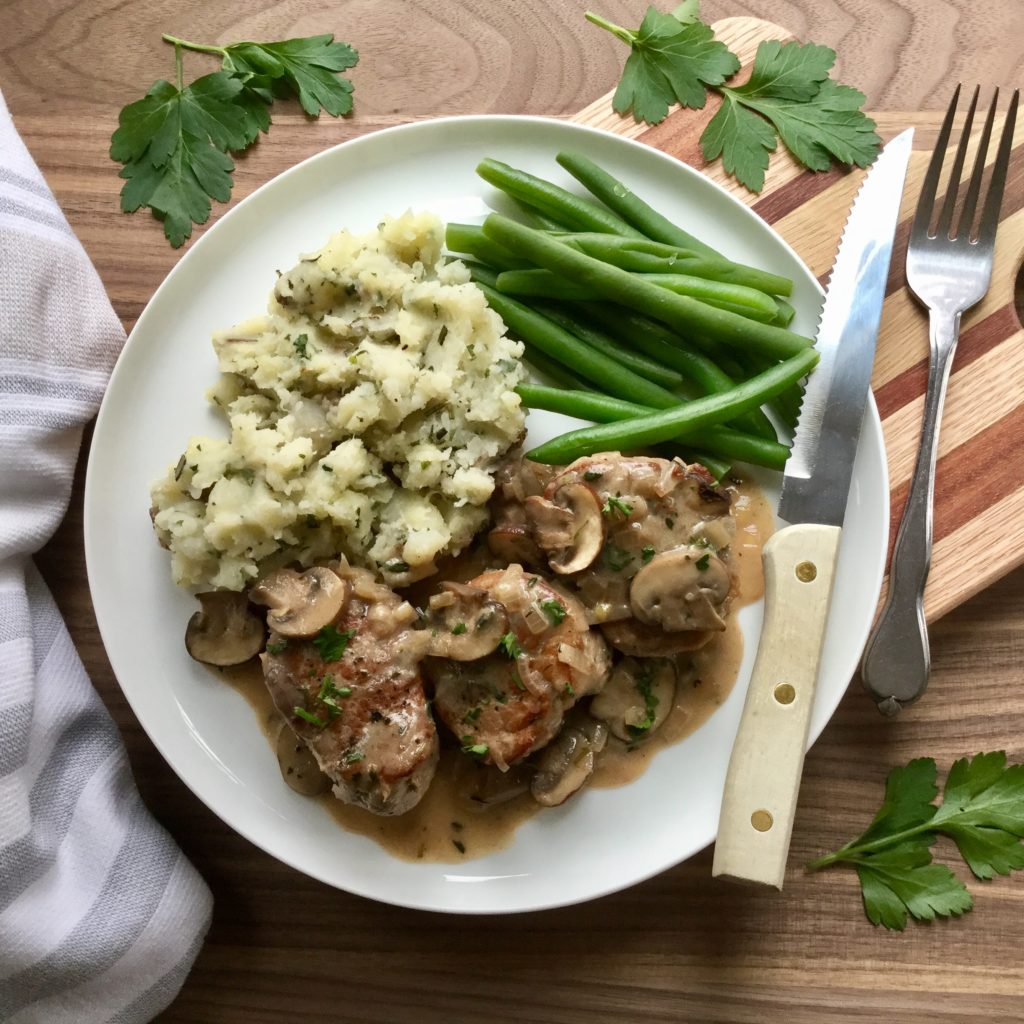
(674, 57)
(470, 746)
(175, 140)
(670, 62)
(554, 610)
(331, 643)
(510, 645)
(902, 879)
(307, 67)
(982, 811)
(615, 504)
(644, 679)
(789, 92)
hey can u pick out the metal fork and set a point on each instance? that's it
(948, 270)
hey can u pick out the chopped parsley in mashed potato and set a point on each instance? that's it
(368, 410)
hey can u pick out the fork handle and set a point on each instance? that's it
(897, 659)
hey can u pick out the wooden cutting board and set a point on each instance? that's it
(979, 493)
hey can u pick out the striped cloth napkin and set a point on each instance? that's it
(101, 915)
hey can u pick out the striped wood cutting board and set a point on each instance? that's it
(979, 495)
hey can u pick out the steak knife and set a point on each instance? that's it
(799, 560)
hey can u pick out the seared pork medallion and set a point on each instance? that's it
(526, 656)
(343, 667)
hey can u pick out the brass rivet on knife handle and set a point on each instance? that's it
(758, 805)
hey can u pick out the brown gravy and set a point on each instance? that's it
(446, 826)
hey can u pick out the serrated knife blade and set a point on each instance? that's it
(763, 780)
(820, 466)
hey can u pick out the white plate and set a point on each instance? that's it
(603, 840)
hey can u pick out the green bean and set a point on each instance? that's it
(552, 200)
(787, 405)
(786, 313)
(542, 284)
(646, 256)
(746, 302)
(596, 339)
(680, 312)
(553, 369)
(535, 218)
(540, 333)
(470, 238)
(630, 207)
(718, 440)
(718, 468)
(659, 343)
(654, 428)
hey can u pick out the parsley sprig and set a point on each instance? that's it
(982, 811)
(674, 58)
(174, 142)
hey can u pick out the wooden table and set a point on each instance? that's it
(678, 948)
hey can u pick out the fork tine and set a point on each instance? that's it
(974, 188)
(942, 227)
(994, 199)
(931, 178)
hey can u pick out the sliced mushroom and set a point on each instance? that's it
(512, 542)
(568, 760)
(487, 786)
(465, 622)
(569, 527)
(630, 636)
(225, 631)
(681, 589)
(637, 698)
(301, 603)
(298, 765)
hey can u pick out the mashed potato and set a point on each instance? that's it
(367, 412)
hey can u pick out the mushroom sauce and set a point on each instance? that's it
(470, 809)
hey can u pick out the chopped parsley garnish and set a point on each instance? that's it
(554, 610)
(510, 645)
(300, 344)
(354, 757)
(532, 582)
(332, 644)
(592, 475)
(472, 714)
(469, 746)
(308, 716)
(396, 566)
(617, 558)
(329, 694)
(459, 628)
(613, 505)
(643, 687)
(277, 647)
(647, 552)
(520, 685)
(569, 691)
(703, 562)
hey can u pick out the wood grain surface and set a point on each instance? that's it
(677, 948)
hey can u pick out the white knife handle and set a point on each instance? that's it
(768, 756)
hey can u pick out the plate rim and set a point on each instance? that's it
(237, 822)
